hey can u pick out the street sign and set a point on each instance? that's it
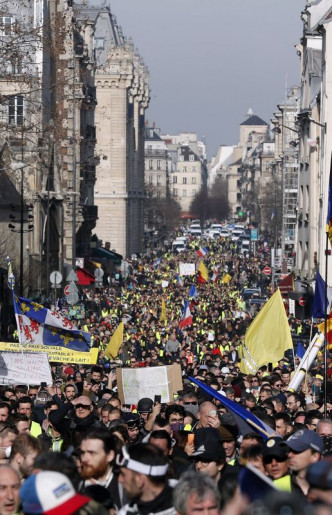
(72, 288)
(72, 298)
(66, 290)
(267, 270)
(99, 273)
(302, 301)
(56, 277)
(253, 234)
(72, 276)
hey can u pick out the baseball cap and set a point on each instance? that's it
(275, 447)
(208, 445)
(305, 439)
(319, 475)
(50, 493)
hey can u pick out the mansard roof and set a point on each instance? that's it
(254, 120)
(186, 151)
(151, 134)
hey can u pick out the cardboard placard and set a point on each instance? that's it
(27, 368)
(136, 383)
(187, 269)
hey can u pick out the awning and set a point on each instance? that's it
(85, 278)
(107, 254)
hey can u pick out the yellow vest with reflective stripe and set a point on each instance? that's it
(283, 483)
(35, 429)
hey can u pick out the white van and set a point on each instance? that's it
(238, 227)
(178, 246)
(245, 247)
(195, 231)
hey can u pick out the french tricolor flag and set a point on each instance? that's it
(186, 319)
(202, 252)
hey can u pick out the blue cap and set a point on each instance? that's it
(305, 439)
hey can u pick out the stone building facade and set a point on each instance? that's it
(122, 92)
(47, 123)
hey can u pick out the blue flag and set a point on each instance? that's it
(254, 484)
(39, 325)
(245, 420)
(192, 292)
(318, 306)
(300, 350)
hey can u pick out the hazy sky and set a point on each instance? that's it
(210, 60)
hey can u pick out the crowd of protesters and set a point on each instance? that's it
(74, 447)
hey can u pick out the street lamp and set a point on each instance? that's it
(15, 167)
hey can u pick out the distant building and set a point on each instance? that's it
(188, 174)
(156, 164)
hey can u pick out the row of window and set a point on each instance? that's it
(183, 193)
(191, 158)
(158, 164)
(158, 179)
(184, 180)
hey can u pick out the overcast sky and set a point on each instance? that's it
(210, 60)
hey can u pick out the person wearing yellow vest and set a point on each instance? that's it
(275, 454)
(25, 408)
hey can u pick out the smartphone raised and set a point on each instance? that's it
(157, 399)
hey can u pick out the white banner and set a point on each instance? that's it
(26, 368)
(187, 269)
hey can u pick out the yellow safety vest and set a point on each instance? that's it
(35, 429)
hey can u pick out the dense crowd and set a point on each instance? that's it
(75, 447)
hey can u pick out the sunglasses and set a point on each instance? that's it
(83, 406)
(268, 459)
(194, 403)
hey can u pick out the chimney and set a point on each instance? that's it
(154, 125)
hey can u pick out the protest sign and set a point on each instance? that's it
(55, 354)
(27, 368)
(136, 383)
(187, 269)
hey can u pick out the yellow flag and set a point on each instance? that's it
(268, 336)
(112, 349)
(226, 278)
(163, 311)
(204, 274)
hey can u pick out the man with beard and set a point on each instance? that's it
(143, 474)
(23, 453)
(97, 453)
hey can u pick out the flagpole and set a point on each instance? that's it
(325, 325)
(11, 283)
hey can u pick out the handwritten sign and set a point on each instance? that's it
(27, 368)
(136, 383)
(55, 354)
(187, 269)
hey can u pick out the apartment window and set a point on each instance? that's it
(15, 110)
(184, 180)
(184, 193)
(181, 158)
(150, 179)
(193, 180)
(151, 133)
(184, 169)
(150, 164)
(158, 179)
(194, 169)
(175, 192)
(175, 179)
(99, 43)
(158, 164)
(194, 193)
(191, 157)
(6, 25)
(158, 194)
